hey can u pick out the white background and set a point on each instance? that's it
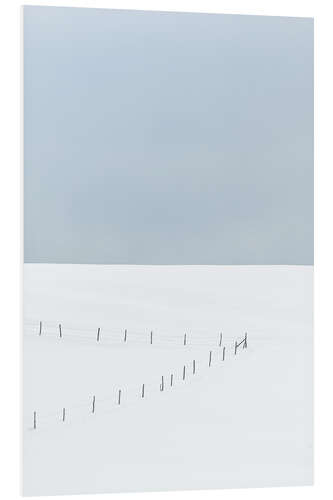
(11, 235)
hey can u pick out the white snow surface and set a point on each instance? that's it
(242, 422)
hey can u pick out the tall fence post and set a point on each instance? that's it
(98, 334)
(143, 391)
(60, 332)
(119, 396)
(171, 380)
(40, 328)
(223, 355)
(93, 405)
(125, 336)
(63, 414)
(193, 366)
(151, 337)
(210, 358)
(184, 372)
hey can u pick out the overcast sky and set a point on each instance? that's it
(164, 138)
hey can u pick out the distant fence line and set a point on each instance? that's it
(143, 390)
(108, 336)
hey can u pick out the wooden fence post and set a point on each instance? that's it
(184, 373)
(40, 328)
(93, 404)
(143, 391)
(171, 380)
(151, 337)
(119, 396)
(35, 420)
(185, 339)
(220, 343)
(223, 355)
(125, 336)
(63, 414)
(60, 332)
(162, 384)
(244, 342)
(98, 334)
(210, 358)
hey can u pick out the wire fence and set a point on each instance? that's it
(126, 396)
(154, 338)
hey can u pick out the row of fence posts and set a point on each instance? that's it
(162, 383)
(98, 336)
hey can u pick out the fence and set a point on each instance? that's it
(129, 394)
(107, 336)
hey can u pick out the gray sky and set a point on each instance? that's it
(164, 138)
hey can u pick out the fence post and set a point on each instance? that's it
(143, 391)
(171, 379)
(98, 334)
(210, 358)
(119, 396)
(185, 339)
(193, 366)
(60, 333)
(93, 404)
(244, 342)
(223, 355)
(220, 343)
(151, 337)
(35, 420)
(125, 336)
(162, 384)
(184, 372)
(63, 414)
(40, 328)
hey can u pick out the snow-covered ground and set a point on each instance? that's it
(242, 421)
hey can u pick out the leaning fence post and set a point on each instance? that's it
(223, 355)
(210, 358)
(93, 404)
(244, 342)
(60, 332)
(35, 420)
(40, 328)
(98, 334)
